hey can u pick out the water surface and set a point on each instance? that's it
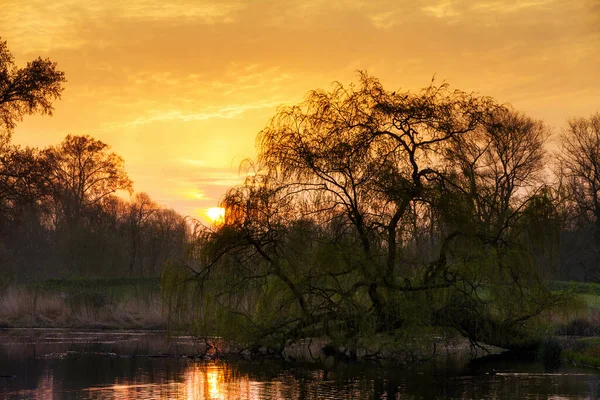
(57, 364)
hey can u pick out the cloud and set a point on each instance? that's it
(441, 9)
(509, 6)
(229, 112)
(40, 25)
(205, 11)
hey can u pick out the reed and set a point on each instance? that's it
(34, 307)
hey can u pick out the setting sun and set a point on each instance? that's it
(216, 214)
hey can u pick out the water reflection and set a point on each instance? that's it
(94, 371)
(212, 381)
(199, 381)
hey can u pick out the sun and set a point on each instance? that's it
(216, 214)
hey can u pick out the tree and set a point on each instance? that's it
(580, 159)
(164, 237)
(26, 90)
(139, 212)
(326, 234)
(579, 167)
(82, 173)
(23, 195)
(22, 179)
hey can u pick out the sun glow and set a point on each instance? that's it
(216, 214)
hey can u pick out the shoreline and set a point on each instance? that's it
(307, 351)
(136, 342)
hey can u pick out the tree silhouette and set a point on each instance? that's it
(26, 90)
(371, 212)
(579, 165)
(82, 172)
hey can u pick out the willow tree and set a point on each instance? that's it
(325, 237)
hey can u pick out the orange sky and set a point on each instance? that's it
(180, 89)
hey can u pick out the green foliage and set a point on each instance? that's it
(584, 352)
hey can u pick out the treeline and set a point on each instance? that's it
(60, 213)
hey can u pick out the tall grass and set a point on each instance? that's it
(583, 319)
(83, 303)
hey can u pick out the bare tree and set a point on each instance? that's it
(500, 165)
(580, 159)
(579, 165)
(140, 211)
(82, 173)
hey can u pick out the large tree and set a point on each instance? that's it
(82, 172)
(370, 211)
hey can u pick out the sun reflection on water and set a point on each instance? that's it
(48, 371)
(191, 380)
(214, 381)
(217, 381)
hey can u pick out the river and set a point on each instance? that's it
(62, 364)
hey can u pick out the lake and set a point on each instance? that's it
(62, 364)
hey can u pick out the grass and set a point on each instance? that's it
(591, 300)
(93, 303)
(582, 317)
(584, 352)
(111, 288)
(576, 287)
(135, 303)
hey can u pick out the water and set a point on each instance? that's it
(56, 364)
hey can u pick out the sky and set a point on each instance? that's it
(180, 89)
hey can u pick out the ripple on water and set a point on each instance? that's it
(44, 370)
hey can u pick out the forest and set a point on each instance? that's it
(63, 209)
(366, 213)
